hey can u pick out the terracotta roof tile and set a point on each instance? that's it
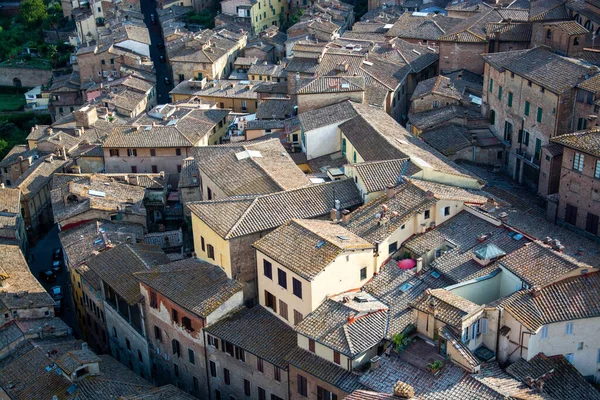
(307, 247)
(236, 217)
(197, 286)
(272, 342)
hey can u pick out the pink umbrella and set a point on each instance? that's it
(407, 263)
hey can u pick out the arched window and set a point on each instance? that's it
(17, 82)
(577, 18)
(576, 41)
(492, 117)
(588, 25)
(548, 34)
(598, 32)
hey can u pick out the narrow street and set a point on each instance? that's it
(40, 260)
(162, 69)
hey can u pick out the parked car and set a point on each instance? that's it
(57, 253)
(58, 307)
(57, 292)
(167, 80)
(57, 265)
(161, 58)
(153, 19)
(47, 276)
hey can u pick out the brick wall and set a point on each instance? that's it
(579, 189)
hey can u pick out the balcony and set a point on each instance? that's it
(528, 158)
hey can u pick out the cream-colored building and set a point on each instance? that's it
(561, 318)
(225, 229)
(303, 262)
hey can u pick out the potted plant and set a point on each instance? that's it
(435, 366)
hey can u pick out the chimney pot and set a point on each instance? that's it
(351, 318)
(390, 191)
(419, 265)
(333, 214)
(345, 216)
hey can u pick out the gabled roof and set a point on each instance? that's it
(368, 142)
(438, 116)
(335, 113)
(10, 201)
(448, 139)
(408, 201)
(39, 175)
(117, 266)
(440, 85)
(549, 70)
(429, 27)
(307, 247)
(195, 285)
(566, 300)
(22, 289)
(337, 84)
(264, 334)
(560, 378)
(421, 154)
(235, 217)
(377, 175)
(324, 370)
(538, 264)
(452, 383)
(95, 192)
(446, 306)
(585, 141)
(250, 169)
(331, 326)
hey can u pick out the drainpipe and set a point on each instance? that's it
(498, 331)
(206, 362)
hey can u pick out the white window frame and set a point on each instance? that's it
(569, 328)
(578, 160)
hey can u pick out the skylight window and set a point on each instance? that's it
(343, 237)
(320, 244)
(435, 274)
(406, 286)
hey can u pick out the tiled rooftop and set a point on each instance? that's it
(236, 217)
(21, 290)
(566, 300)
(271, 342)
(198, 286)
(307, 247)
(447, 306)
(116, 267)
(549, 70)
(330, 325)
(560, 378)
(250, 169)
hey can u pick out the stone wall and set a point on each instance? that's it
(28, 77)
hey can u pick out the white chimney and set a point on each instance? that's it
(419, 265)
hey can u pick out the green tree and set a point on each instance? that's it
(33, 12)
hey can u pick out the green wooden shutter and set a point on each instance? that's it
(527, 106)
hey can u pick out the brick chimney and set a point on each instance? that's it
(345, 216)
(390, 191)
(86, 116)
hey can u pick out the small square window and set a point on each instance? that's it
(363, 273)
(427, 214)
(446, 211)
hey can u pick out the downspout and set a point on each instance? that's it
(206, 362)
(498, 331)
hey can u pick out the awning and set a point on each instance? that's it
(407, 263)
